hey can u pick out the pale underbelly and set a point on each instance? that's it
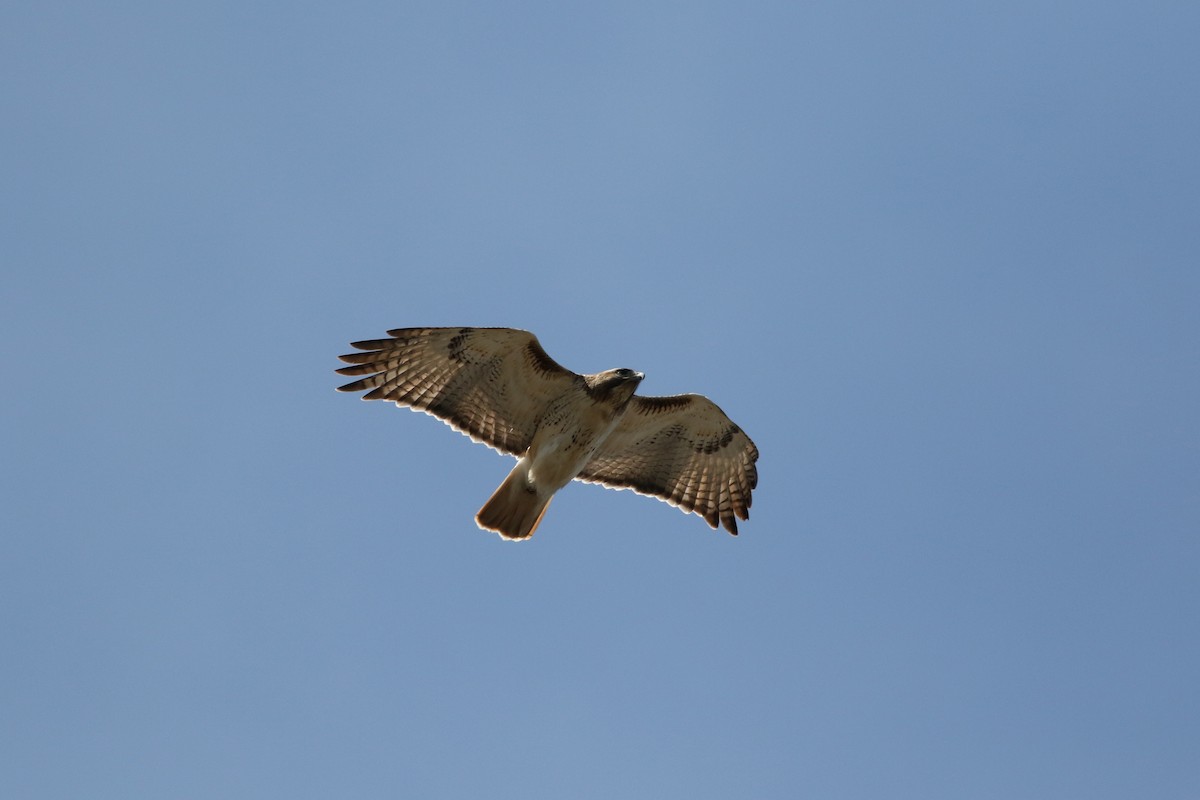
(555, 461)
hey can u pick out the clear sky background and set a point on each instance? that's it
(940, 260)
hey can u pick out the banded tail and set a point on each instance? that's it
(516, 508)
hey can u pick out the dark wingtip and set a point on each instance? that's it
(371, 344)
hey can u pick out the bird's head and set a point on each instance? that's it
(614, 385)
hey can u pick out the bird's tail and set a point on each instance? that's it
(516, 508)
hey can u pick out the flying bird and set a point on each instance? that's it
(498, 386)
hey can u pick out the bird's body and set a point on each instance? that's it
(498, 386)
(566, 438)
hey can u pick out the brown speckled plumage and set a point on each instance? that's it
(500, 387)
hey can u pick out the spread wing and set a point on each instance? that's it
(490, 383)
(684, 450)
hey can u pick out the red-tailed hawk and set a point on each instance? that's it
(498, 386)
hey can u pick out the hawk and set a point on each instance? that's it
(498, 386)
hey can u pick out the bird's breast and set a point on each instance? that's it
(565, 441)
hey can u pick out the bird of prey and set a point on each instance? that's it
(498, 386)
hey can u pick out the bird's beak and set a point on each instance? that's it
(637, 376)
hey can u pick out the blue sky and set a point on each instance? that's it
(940, 261)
